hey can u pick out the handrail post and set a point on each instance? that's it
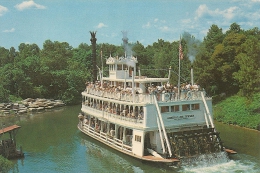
(163, 127)
(207, 109)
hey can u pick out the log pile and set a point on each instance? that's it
(29, 105)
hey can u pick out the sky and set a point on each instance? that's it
(146, 21)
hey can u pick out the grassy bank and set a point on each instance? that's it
(238, 110)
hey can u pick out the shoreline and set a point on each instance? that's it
(239, 126)
(29, 105)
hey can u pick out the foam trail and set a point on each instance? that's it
(216, 163)
(205, 160)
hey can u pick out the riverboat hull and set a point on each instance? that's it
(113, 144)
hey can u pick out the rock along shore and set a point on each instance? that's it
(29, 105)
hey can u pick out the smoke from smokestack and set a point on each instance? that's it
(192, 44)
(127, 47)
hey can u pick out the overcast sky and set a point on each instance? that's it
(146, 21)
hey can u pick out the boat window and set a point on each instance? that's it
(175, 108)
(138, 138)
(195, 106)
(164, 109)
(119, 66)
(186, 107)
(125, 67)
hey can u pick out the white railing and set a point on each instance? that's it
(108, 115)
(106, 138)
(148, 97)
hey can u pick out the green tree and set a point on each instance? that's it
(249, 64)
(140, 52)
(203, 69)
(55, 55)
(4, 58)
(54, 62)
(12, 55)
(234, 27)
(223, 65)
(27, 63)
(27, 50)
(214, 37)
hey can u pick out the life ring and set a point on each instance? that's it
(166, 96)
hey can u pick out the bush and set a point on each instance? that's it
(5, 165)
(239, 110)
(13, 98)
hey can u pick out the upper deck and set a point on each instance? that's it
(123, 85)
(126, 95)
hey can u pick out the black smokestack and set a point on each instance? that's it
(94, 55)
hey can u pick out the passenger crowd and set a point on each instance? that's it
(167, 87)
(127, 111)
(185, 89)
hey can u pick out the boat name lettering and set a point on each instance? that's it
(181, 117)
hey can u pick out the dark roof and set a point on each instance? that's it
(8, 129)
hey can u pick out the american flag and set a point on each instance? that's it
(180, 52)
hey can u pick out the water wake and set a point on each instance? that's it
(205, 160)
(215, 163)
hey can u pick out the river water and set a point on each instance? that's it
(52, 143)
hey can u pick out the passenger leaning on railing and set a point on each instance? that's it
(119, 93)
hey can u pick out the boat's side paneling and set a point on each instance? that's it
(150, 116)
(175, 120)
(138, 142)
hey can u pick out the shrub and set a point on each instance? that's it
(239, 110)
(5, 165)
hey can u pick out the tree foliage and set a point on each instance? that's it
(223, 63)
(229, 63)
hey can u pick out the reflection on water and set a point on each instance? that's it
(52, 143)
(103, 159)
(242, 140)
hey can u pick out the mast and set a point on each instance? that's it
(102, 68)
(180, 57)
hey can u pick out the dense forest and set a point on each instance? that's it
(224, 63)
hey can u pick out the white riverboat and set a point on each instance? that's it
(148, 118)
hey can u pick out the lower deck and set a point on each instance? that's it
(120, 145)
